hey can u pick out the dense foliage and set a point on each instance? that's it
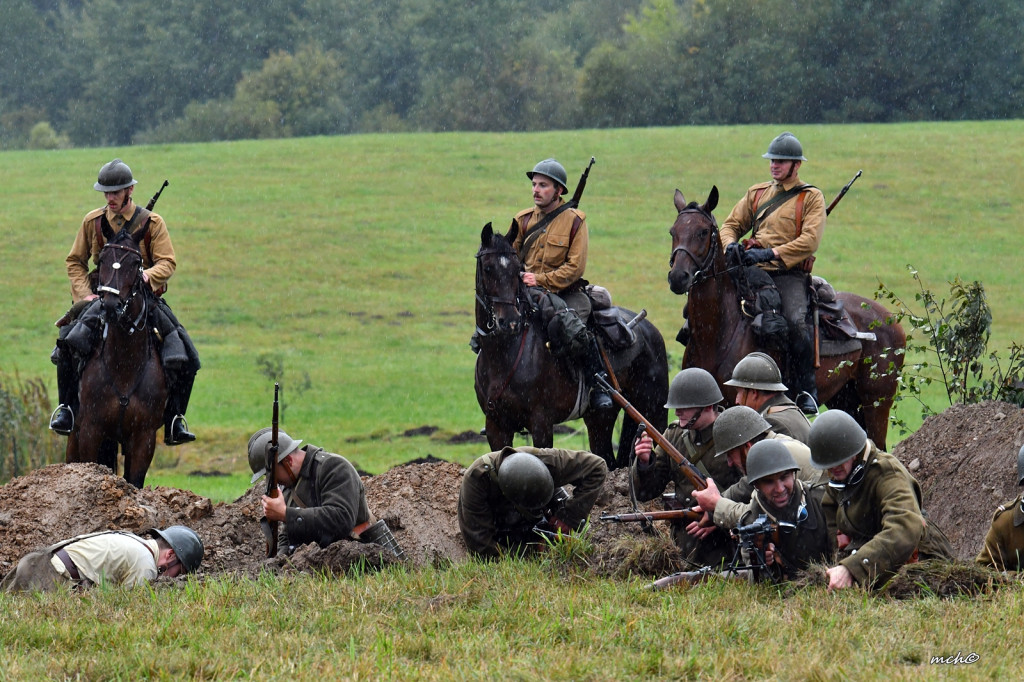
(101, 72)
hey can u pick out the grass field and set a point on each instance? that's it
(350, 259)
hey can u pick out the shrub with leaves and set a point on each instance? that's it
(955, 331)
(25, 439)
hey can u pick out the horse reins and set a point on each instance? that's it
(135, 290)
(706, 268)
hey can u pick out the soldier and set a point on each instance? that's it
(786, 219)
(695, 396)
(801, 533)
(552, 242)
(758, 384)
(113, 557)
(324, 500)
(1003, 548)
(736, 432)
(80, 328)
(510, 495)
(872, 506)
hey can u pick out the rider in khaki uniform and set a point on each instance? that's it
(758, 384)
(695, 396)
(505, 494)
(786, 219)
(1003, 548)
(80, 328)
(552, 243)
(872, 505)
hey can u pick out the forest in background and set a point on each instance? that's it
(112, 72)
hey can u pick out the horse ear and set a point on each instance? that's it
(486, 234)
(712, 201)
(513, 232)
(679, 200)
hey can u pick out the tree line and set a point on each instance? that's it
(112, 72)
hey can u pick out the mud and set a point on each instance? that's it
(964, 458)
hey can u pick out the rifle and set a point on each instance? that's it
(582, 185)
(270, 527)
(152, 202)
(666, 515)
(842, 193)
(691, 472)
(551, 525)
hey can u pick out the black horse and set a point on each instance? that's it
(123, 388)
(521, 385)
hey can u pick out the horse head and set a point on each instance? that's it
(498, 283)
(120, 274)
(695, 242)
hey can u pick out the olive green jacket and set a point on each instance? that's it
(786, 418)
(484, 513)
(327, 501)
(1003, 548)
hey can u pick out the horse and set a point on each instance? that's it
(123, 390)
(862, 382)
(521, 385)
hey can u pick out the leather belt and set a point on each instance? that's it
(68, 564)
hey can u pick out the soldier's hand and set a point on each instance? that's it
(273, 508)
(769, 554)
(842, 540)
(701, 529)
(754, 256)
(839, 578)
(708, 498)
(734, 254)
(529, 279)
(643, 448)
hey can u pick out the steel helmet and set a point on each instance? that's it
(186, 545)
(114, 176)
(758, 371)
(553, 170)
(835, 437)
(785, 146)
(693, 387)
(769, 457)
(525, 481)
(1020, 466)
(258, 445)
(737, 426)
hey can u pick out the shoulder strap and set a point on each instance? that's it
(538, 229)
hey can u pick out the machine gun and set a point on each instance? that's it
(551, 524)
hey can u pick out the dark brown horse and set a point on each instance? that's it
(862, 383)
(123, 390)
(520, 385)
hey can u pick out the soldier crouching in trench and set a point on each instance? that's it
(512, 498)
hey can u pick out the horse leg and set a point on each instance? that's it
(138, 456)
(72, 451)
(106, 454)
(498, 436)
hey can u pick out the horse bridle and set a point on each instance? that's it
(487, 301)
(706, 268)
(136, 288)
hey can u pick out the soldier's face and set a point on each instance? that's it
(776, 489)
(545, 190)
(117, 199)
(738, 459)
(841, 472)
(782, 169)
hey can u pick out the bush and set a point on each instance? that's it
(25, 440)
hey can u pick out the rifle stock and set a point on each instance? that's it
(691, 472)
(666, 515)
(270, 528)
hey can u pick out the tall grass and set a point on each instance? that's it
(25, 440)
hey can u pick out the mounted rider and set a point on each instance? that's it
(786, 219)
(80, 328)
(552, 243)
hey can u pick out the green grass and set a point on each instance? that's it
(351, 258)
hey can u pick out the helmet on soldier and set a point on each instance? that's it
(737, 426)
(769, 457)
(554, 170)
(525, 481)
(693, 387)
(758, 371)
(114, 176)
(785, 146)
(1020, 466)
(258, 444)
(835, 437)
(187, 545)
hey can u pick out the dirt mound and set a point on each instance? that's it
(966, 462)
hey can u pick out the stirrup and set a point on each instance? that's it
(53, 415)
(185, 436)
(806, 402)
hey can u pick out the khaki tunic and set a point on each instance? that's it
(1003, 548)
(883, 518)
(555, 262)
(484, 513)
(778, 230)
(786, 418)
(157, 257)
(327, 502)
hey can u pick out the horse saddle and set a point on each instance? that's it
(834, 320)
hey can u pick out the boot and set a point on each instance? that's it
(177, 431)
(807, 401)
(179, 390)
(802, 366)
(62, 421)
(173, 355)
(593, 367)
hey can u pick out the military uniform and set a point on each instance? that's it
(785, 417)
(650, 481)
(112, 557)
(882, 516)
(731, 507)
(489, 522)
(1003, 548)
(795, 549)
(558, 257)
(327, 501)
